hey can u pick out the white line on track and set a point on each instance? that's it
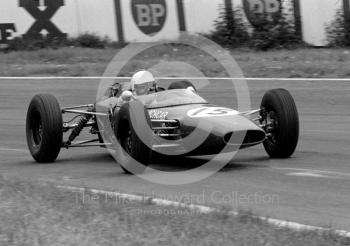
(326, 131)
(309, 174)
(312, 171)
(180, 78)
(13, 150)
(205, 210)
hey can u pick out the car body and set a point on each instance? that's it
(175, 114)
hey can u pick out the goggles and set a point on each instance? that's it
(145, 88)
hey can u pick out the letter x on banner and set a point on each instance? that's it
(43, 18)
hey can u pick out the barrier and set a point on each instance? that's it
(148, 20)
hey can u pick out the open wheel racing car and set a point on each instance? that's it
(165, 120)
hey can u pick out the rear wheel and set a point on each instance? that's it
(44, 128)
(281, 123)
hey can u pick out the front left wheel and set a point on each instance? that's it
(135, 137)
(44, 128)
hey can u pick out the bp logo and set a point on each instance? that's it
(262, 12)
(149, 15)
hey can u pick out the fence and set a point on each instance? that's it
(149, 20)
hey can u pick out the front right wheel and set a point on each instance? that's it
(280, 121)
(44, 128)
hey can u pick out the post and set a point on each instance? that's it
(346, 9)
(297, 19)
(119, 22)
(181, 15)
(230, 15)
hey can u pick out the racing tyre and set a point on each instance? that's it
(281, 123)
(184, 84)
(44, 128)
(135, 136)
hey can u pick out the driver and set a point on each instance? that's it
(143, 83)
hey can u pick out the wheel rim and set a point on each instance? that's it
(36, 129)
(128, 141)
(271, 126)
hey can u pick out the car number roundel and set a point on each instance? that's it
(211, 112)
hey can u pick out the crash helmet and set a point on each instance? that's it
(143, 83)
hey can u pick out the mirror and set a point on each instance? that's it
(126, 96)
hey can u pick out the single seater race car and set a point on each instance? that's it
(172, 122)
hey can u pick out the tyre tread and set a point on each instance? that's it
(50, 112)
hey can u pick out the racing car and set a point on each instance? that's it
(170, 122)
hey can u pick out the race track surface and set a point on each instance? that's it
(312, 187)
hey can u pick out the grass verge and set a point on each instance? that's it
(33, 214)
(316, 63)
